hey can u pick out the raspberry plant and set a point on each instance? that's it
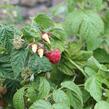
(43, 67)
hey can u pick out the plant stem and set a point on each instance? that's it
(77, 66)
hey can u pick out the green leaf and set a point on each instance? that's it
(41, 104)
(102, 105)
(70, 5)
(66, 66)
(57, 38)
(2, 50)
(72, 22)
(92, 25)
(18, 99)
(83, 56)
(75, 101)
(94, 86)
(77, 94)
(44, 21)
(5, 67)
(93, 63)
(101, 55)
(89, 107)
(60, 106)
(106, 21)
(85, 23)
(38, 65)
(73, 58)
(31, 94)
(30, 32)
(6, 36)
(73, 87)
(93, 43)
(85, 95)
(18, 58)
(89, 71)
(60, 96)
(44, 88)
(95, 4)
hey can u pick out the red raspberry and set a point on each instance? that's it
(54, 56)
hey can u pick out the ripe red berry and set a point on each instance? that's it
(54, 56)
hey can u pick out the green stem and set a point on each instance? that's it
(48, 96)
(77, 66)
(74, 77)
(81, 85)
